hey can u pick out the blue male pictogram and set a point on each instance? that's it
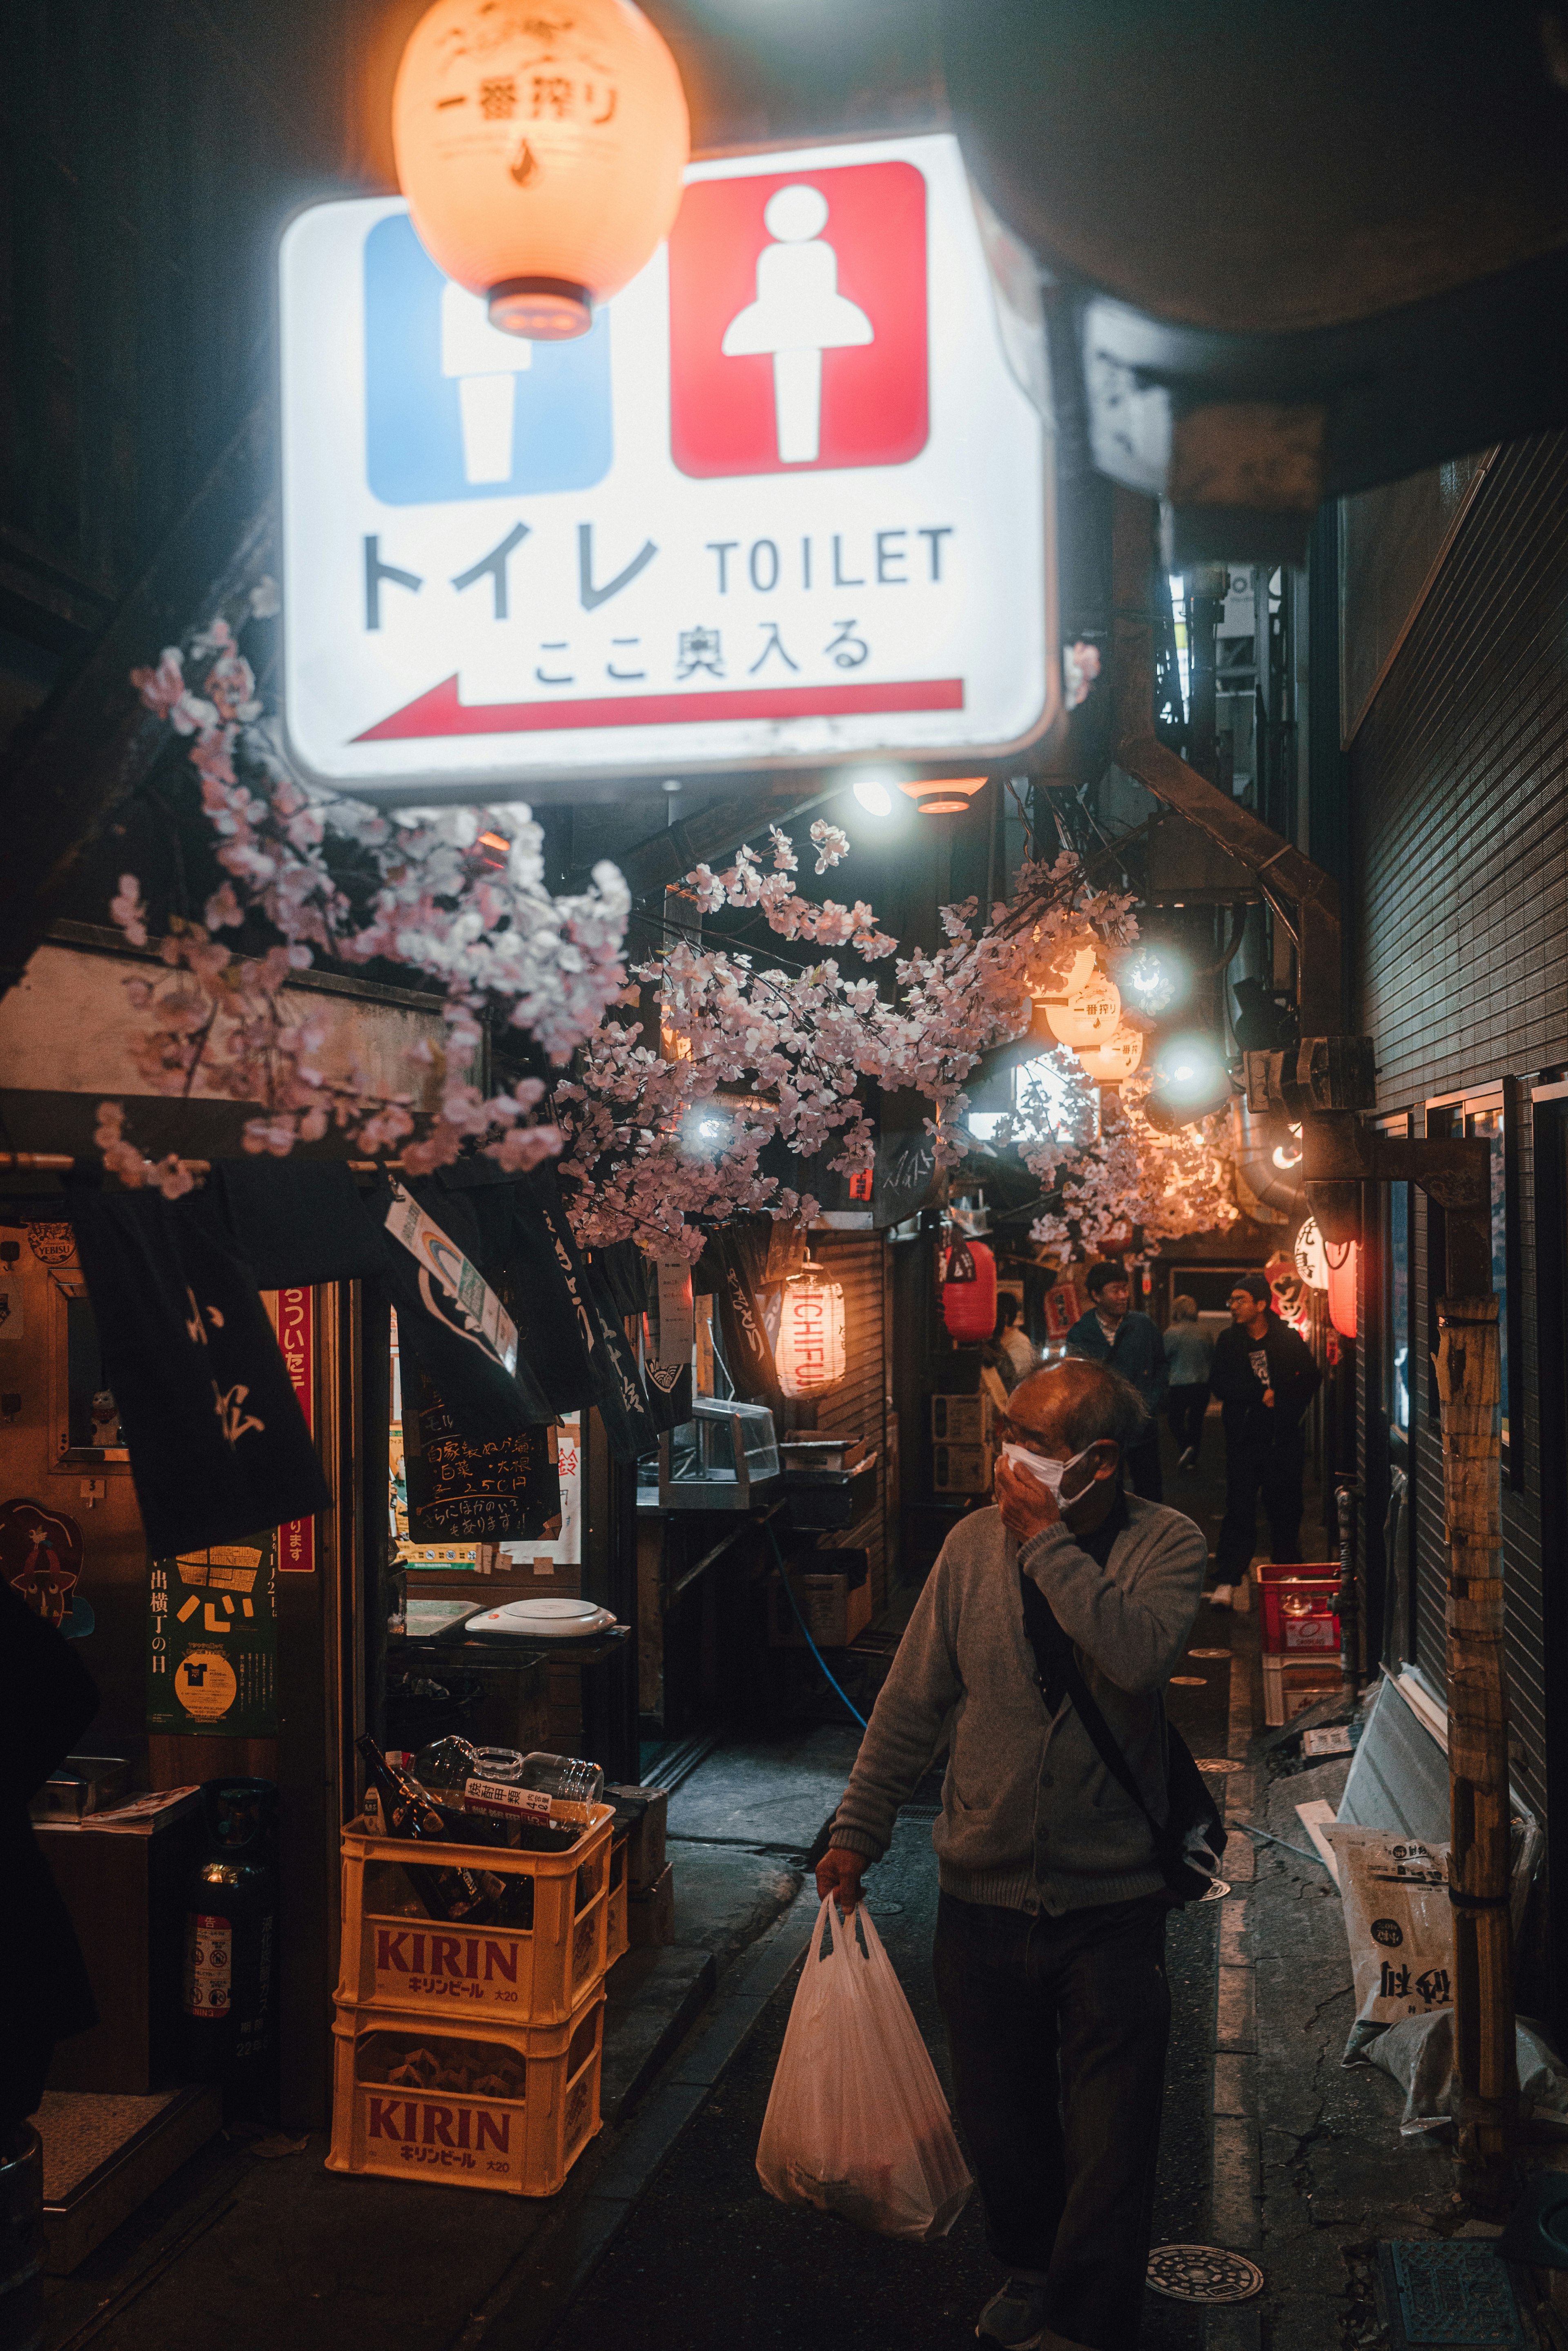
(454, 409)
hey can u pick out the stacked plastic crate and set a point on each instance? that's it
(1300, 1634)
(470, 2053)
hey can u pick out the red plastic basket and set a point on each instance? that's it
(1299, 1613)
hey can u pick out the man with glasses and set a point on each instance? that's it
(1050, 1924)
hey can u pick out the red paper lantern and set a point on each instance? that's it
(969, 1293)
(1343, 1258)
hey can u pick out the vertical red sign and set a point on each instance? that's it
(297, 1337)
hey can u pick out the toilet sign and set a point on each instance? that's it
(787, 504)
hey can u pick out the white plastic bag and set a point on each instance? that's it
(856, 2121)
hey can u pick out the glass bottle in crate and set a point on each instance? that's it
(457, 1897)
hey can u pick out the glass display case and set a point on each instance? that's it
(726, 1458)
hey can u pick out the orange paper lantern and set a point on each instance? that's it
(541, 152)
(1115, 1057)
(1343, 1258)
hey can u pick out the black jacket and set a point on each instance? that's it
(1292, 1375)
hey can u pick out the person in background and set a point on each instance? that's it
(1131, 1344)
(1014, 1340)
(1265, 1378)
(1188, 1353)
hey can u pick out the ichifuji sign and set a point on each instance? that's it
(787, 503)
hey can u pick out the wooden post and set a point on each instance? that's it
(1469, 1394)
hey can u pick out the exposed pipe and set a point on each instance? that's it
(1257, 1138)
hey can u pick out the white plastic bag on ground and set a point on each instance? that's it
(856, 2121)
(1419, 2054)
(1399, 1926)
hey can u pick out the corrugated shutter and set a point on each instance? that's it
(1458, 780)
(859, 1408)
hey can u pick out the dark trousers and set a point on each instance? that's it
(1274, 1471)
(1185, 1409)
(1144, 1467)
(1058, 2030)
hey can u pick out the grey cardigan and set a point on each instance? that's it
(1031, 1818)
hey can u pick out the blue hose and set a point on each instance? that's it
(784, 1579)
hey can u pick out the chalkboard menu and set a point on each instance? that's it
(501, 1490)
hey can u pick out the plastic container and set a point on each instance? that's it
(535, 1969)
(474, 2104)
(1299, 1607)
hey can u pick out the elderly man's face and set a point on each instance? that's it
(1038, 1410)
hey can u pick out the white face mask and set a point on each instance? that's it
(1049, 1473)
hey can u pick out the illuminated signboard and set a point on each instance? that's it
(788, 502)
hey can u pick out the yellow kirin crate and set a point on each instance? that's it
(535, 1969)
(475, 2105)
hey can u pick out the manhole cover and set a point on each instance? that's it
(1188, 1681)
(1217, 1763)
(1216, 1892)
(1455, 2293)
(1203, 2273)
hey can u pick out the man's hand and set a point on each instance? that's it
(839, 1874)
(1026, 1506)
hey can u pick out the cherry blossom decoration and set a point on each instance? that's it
(455, 895)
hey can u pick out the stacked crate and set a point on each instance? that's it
(471, 2055)
(963, 1443)
(1299, 1634)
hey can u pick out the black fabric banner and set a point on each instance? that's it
(737, 1255)
(218, 1444)
(298, 1222)
(622, 1404)
(487, 1402)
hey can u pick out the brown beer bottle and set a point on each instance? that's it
(461, 1897)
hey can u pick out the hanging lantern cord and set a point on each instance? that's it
(789, 1589)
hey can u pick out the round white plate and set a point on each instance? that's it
(543, 1620)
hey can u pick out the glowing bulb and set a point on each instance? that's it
(874, 797)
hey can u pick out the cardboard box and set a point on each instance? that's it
(644, 1813)
(961, 1469)
(650, 1915)
(835, 1606)
(961, 1420)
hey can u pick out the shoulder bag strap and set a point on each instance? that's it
(1055, 1661)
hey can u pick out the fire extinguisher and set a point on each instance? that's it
(231, 1935)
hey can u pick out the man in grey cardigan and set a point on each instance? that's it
(1049, 1953)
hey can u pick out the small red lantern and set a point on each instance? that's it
(969, 1293)
(1343, 1258)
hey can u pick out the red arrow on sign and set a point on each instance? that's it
(440, 712)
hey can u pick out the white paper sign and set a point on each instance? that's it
(788, 500)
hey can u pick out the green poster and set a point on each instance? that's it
(211, 1641)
